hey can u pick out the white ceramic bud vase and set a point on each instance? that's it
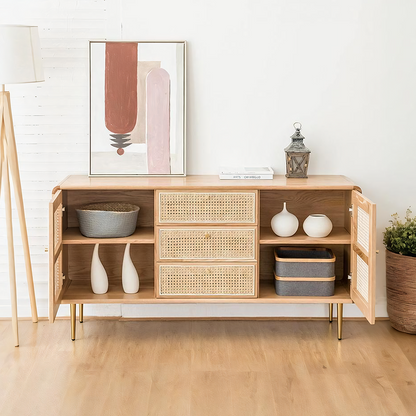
(317, 225)
(129, 275)
(284, 224)
(99, 278)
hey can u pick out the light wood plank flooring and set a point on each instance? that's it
(201, 368)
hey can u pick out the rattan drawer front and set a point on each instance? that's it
(207, 244)
(207, 280)
(207, 207)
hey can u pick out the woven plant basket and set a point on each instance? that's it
(401, 291)
(108, 219)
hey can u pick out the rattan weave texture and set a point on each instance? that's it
(206, 280)
(202, 243)
(207, 207)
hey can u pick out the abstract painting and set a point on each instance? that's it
(137, 108)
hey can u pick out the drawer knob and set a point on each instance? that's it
(207, 236)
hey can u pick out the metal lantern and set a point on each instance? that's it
(297, 155)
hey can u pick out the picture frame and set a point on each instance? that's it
(137, 108)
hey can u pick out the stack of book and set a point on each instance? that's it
(246, 173)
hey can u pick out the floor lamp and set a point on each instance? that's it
(20, 62)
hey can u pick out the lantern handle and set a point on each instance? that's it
(297, 128)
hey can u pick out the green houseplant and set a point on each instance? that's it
(400, 242)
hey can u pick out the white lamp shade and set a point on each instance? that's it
(20, 58)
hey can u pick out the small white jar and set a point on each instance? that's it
(284, 224)
(317, 225)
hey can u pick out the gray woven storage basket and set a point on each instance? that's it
(303, 287)
(108, 219)
(304, 262)
(301, 271)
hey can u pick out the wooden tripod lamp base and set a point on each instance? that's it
(21, 62)
(9, 167)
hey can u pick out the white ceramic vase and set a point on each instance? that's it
(284, 224)
(99, 278)
(317, 225)
(129, 275)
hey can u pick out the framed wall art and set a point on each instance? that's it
(137, 108)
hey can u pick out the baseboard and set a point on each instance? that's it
(204, 318)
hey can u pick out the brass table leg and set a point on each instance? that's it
(340, 309)
(81, 313)
(331, 311)
(73, 307)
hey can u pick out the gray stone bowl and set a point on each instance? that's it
(108, 219)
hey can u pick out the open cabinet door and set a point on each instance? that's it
(55, 255)
(363, 255)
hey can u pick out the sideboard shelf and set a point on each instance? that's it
(142, 235)
(79, 291)
(203, 240)
(339, 235)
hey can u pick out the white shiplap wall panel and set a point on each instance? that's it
(52, 138)
(54, 110)
(51, 125)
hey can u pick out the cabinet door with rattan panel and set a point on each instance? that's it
(56, 254)
(363, 255)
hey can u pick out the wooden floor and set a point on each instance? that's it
(217, 368)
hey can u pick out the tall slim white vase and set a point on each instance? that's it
(129, 275)
(99, 278)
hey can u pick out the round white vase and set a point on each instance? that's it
(99, 278)
(284, 224)
(317, 225)
(129, 275)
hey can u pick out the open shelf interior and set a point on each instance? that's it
(79, 291)
(77, 249)
(111, 255)
(341, 252)
(142, 235)
(334, 204)
(75, 199)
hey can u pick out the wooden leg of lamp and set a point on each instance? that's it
(1, 137)
(14, 169)
(81, 313)
(339, 318)
(12, 271)
(1, 147)
(331, 312)
(73, 307)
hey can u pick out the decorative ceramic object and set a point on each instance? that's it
(284, 224)
(99, 278)
(317, 225)
(129, 276)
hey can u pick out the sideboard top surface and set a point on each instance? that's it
(196, 182)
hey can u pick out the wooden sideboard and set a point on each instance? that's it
(201, 239)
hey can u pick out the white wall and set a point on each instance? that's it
(346, 70)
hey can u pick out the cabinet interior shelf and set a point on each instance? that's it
(338, 235)
(142, 235)
(79, 291)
